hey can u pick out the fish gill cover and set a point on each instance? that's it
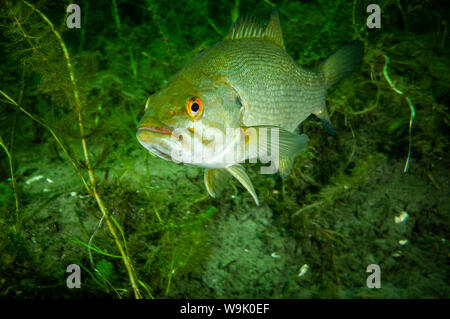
(76, 188)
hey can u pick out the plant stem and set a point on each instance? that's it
(411, 109)
(93, 188)
(17, 222)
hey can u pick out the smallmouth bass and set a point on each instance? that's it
(219, 109)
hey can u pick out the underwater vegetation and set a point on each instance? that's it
(77, 188)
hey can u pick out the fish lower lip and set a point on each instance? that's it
(162, 130)
(160, 154)
(157, 150)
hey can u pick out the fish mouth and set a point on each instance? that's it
(157, 147)
(156, 129)
(156, 139)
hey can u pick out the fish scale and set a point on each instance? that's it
(273, 89)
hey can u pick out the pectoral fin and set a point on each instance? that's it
(283, 149)
(290, 145)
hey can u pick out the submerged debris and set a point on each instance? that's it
(403, 216)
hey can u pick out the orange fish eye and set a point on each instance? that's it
(194, 107)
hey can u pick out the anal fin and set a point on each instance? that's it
(325, 120)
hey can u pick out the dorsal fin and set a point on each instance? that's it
(244, 28)
(248, 27)
(273, 29)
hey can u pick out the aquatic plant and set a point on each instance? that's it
(91, 188)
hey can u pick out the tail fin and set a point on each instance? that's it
(342, 62)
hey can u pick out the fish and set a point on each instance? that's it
(241, 100)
